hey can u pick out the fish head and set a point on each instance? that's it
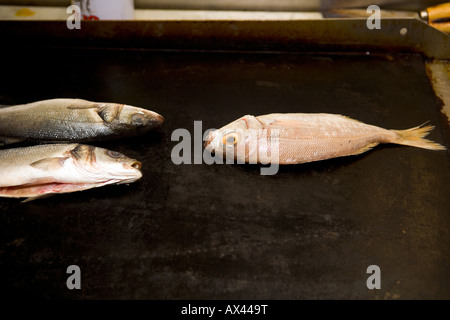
(129, 119)
(234, 139)
(103, 165)
(139, 118)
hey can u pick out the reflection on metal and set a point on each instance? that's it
(260, 5)
(270, 5)
(326, 35)
(439, 74)
(436, 16)
(60, 13)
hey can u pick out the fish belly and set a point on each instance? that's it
(28, 191)
(302, 151)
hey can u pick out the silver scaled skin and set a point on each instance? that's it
(73, 120)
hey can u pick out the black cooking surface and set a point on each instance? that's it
(198, 231)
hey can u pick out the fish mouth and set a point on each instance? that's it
(134, 167)
(130, 178)
(147, 118)
(159, 118)
(155, 118)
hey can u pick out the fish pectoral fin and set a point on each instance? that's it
(5, 140)
(49, 163)
(41, 196)
(365, 148)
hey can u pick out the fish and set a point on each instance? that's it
(295, 138)
(73, 120)
(42, 170)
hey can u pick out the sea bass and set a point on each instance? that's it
(293, 138)
(73, 120)
(33, 172)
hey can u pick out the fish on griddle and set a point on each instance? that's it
(73, 120)
(301, 138)
(41, 170)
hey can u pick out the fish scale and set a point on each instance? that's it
(43, 122)
(302, 137)
(74, 120)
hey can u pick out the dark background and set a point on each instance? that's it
(224, 231)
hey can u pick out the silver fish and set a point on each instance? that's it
(301, 138)
(37, 171)
(73, 120)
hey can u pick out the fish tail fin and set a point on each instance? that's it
(415, 137)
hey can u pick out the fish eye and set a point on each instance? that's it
(230, 139)
(115, 154)
(138, 119)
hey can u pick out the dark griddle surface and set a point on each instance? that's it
(224, 231)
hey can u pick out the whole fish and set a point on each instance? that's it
(292, 138)
(37, 171)
(73, 120)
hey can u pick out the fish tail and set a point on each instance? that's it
(415, 137)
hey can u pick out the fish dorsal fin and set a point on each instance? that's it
(293, 122)
(286, 123)
(82, 104)
(49, 163)
(349, 118)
